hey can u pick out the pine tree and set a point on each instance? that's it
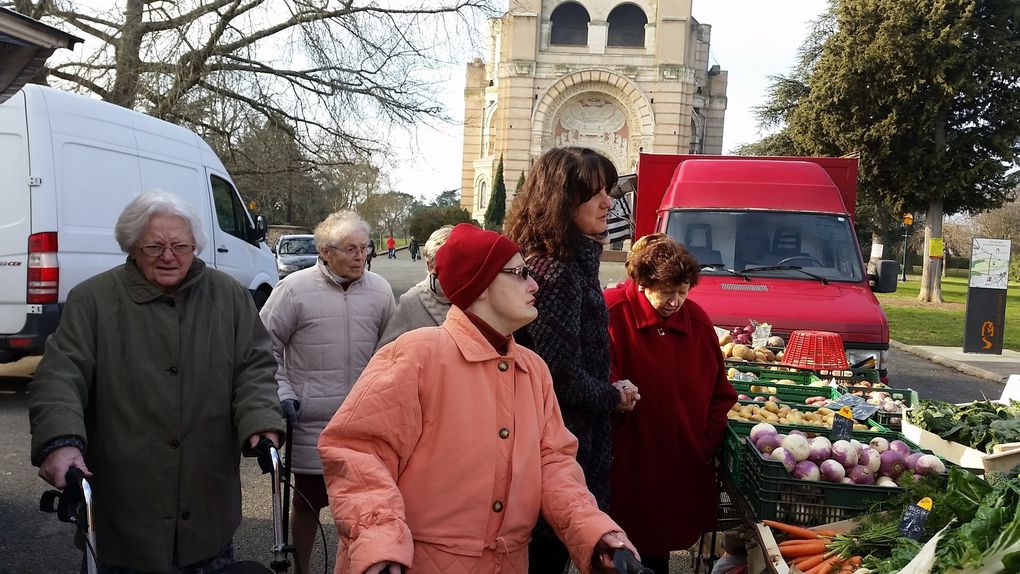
(497, 203)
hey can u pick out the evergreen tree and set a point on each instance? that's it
(496, 211)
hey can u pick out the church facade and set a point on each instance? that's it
(619, 76)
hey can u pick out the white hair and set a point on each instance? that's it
(338, 226)
(134, 220)
(435, 241)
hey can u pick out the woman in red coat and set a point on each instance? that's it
(663, 480)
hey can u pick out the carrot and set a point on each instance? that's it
(797, 542)
(825, 566)
(795, 531)
(850, 565)
(825, 533)
(818, 547)
(810, 562)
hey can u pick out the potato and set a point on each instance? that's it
(727, 350)
(775, 341)
(727, 338)
(772, 407)
(738, 350)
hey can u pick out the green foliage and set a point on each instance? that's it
(520, 184)
(448, 198)
(426, 220)
(496, 211)
(777, 144)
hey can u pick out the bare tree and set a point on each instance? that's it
(332, 69)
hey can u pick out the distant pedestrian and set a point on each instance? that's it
(413, 249)
(391, 247)
(425, 304)
(370, 255)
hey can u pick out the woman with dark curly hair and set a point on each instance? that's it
(663, 478)
(559, 220)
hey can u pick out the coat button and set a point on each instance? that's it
(174, 443)
(504, 433)
(503, 366)
(171, 303)
(185, 515)
(497, 506)
(172, 370)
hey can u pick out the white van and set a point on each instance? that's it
(68, 166)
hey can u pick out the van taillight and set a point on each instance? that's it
(43, 269)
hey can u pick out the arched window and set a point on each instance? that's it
(483, 195)
(627, 26)
(569, 25)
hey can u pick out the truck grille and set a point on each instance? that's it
(744, 287)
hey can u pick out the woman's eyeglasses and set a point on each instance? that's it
(351, 251)
(157, 250)
(523, 271)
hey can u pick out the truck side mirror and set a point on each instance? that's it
(886, 276)
(260, 228)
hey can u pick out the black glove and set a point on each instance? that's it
(291, 409)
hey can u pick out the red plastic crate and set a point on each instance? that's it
(819, 350)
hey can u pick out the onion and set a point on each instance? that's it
(900, 447)
(929, 464)
(767, 443)
(784, 456)
(798, 446)
(893, 464)
(761, 429)
(861, 475)
(832, 471)
(844, 453)
(870, 458)
(806, 470)
(880, 444)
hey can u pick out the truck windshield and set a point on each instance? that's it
(824, 245)
(297, 246)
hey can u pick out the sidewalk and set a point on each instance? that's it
(996, 368)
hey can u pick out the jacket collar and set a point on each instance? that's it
(473, 345)
(141, 290)
(334, 279)
(647, 317)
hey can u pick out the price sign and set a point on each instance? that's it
(858, 405)
(843, 424)
(914, 517)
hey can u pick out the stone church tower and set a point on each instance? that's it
(617, 76)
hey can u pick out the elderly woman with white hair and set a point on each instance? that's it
(325, 322)
(425, 304)
(159, 375)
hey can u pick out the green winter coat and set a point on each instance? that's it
(165, 391)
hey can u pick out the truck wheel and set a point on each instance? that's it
(260, 296)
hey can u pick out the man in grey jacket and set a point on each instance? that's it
(325, 322)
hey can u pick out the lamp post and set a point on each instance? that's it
(908, 219)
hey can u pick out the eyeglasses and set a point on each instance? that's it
(157, 250)
(352, 250)
(523, 271)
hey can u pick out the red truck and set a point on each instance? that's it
(776, 242)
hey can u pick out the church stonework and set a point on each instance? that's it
(620, 77)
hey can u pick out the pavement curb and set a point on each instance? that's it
(953, 364)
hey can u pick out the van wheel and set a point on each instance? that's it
(260, 296)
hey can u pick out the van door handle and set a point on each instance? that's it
(222, 249)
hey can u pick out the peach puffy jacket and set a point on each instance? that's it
(444, 454)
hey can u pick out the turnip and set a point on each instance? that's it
(806, 470)
(893, 464)
(870, 459)
(861, 475)
(820, 450)
(797, 445)
(886, 481)
(832, 471)
(846, 480)
(768, 443)
(785, 457)
(799, 432)
(900, 447)
(844, 453)
(880, 444)
(929, 464)
(761, 429)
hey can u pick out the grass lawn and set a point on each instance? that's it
(916, 323)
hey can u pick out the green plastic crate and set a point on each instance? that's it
(800, 376)
(731, 456)
(851, 376)
(893, 421)
(786, 393)
(801, 502)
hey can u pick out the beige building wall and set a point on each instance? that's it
(536, 91)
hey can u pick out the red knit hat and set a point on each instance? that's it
(469, 260)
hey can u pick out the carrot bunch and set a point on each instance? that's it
(811, 551)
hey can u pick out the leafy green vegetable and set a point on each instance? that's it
(964, 494)
(980, 425)
(992, 544)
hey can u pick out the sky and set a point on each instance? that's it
(751, 40)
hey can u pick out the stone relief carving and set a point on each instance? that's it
(595, 121)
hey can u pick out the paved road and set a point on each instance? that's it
(34, 542)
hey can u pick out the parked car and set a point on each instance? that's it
(294, 253)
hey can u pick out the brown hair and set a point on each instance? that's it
(658, 260)
(541, 218)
